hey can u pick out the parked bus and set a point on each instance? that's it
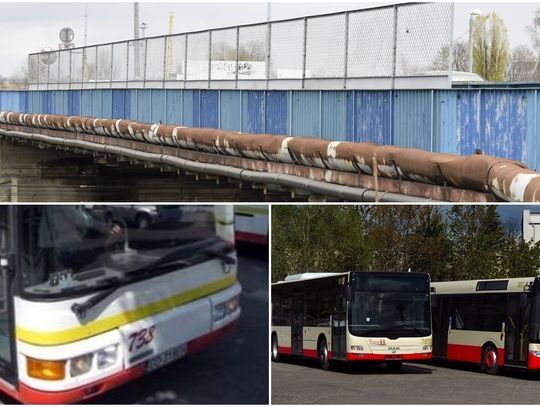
(251, 224)
(88, 304)
(353, 316)
(493, 323)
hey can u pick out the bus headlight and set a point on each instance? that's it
(46, 369)
(81, 364)
(107, 357)
(222, 309)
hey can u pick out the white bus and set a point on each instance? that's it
(353, 316)
(251, 224)
(493, 323)
(88, 304)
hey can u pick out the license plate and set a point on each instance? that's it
(393, 357)
(166, 357)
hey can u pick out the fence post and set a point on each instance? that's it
(127, 64)
(48, 69)
(304, 53)
(83, 66)
(112, 65)
(268, 50)
(145, 59)
(237, 56)
(58, 76)
(451, 46)
(97, 68)
(394, 46)
(185, 59)
(70, 67)
(209, 58)
(165, 46)
(346, 62)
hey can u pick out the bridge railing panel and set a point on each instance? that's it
(386, 47)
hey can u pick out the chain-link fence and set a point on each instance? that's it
(375, 47)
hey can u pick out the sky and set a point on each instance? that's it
(28, 27)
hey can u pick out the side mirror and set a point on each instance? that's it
(433, 300)
(348, 293)
(523, 300)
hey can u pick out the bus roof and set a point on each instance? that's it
(482, 286)
(308, 276)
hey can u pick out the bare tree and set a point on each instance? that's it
(251, 51)
(534, 32)
(522, 66)
(19, 78)
(490, 47)
(460, 56)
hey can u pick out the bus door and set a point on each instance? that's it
(516, 329)
(297, 322)
(441, 323)
(339, 328)
(7, 339)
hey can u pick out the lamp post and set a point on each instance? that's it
(472, 17)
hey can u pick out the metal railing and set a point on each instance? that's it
(382, 47)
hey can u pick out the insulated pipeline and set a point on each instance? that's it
(285, 180)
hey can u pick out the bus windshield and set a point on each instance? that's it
(67, 249)
(389, 305)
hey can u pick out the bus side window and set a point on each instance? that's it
(311, 310)
(286, 311)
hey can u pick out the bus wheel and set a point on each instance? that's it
(489, 360)
(323, 355)
(394, 365)
(275, 349)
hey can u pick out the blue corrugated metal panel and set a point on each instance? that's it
(187, 107)
(96, 102)
(118, 106)
(230, 110)
(144, 107)
(334, 115)
(58, 101)
(445, 126)
(131, 103)
(23, 102)
(504, 120)
(196, 113)
(158, 105)
(86, 103)
(468, 136)
(210, 109)
(305, 113)
(253, 111)
(174, 106)
(75, 102)
(412, 119)
(533, 130)
(106, 104)
(35, 102)
(47, 105)
(369, 117)
(276, 112)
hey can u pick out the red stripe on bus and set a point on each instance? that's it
(468, 353)
(379, 357)
(534, 361)
(251, 238)
(310, 353)
(286, 350)
(29, 395)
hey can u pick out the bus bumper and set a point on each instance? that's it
(383, 358)
(29, 395)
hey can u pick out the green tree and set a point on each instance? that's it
(317, 239)
(490, 47)
(478, 241)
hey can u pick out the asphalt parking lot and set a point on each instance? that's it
(303, 382)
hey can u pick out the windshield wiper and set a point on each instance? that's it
(176, 257)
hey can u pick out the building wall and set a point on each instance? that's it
(502, 122)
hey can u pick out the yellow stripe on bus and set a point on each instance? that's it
(115, 321)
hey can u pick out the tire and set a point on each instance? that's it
(394, 365)
(322, 352)
(142, 221)
(490, 360)
(274, 351)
